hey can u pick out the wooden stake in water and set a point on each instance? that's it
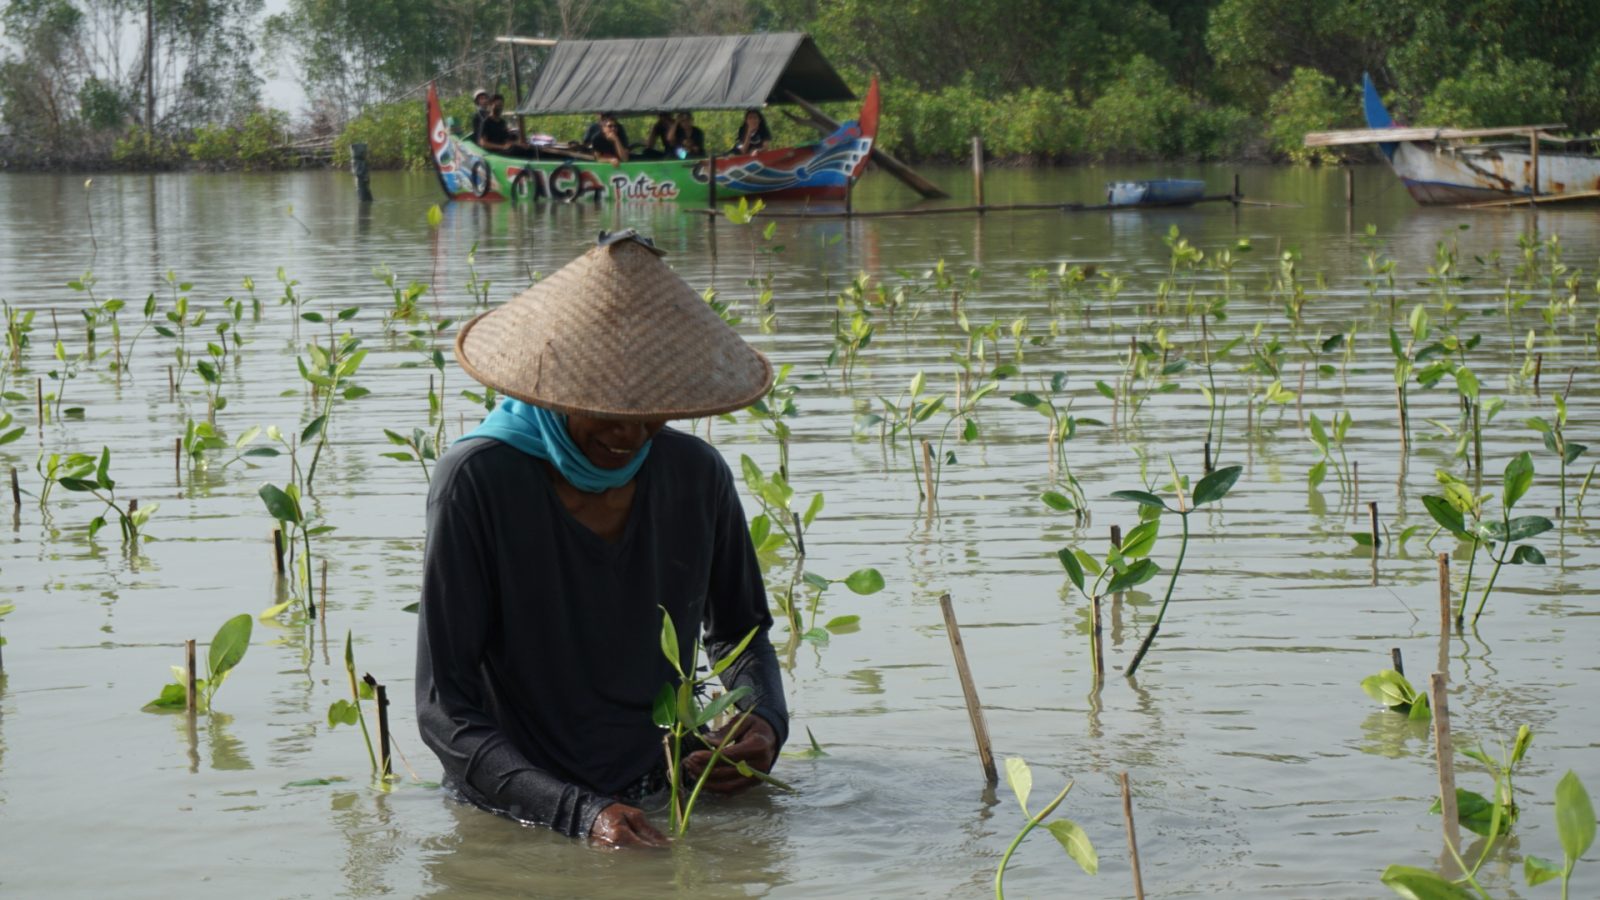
(172, 384)
(38, 399)
(1372, 514)
(1444, 595)
(16, 490)
(1355, 482)
(277, 550)
(1133, 840)
(1440, 699)
(977, 172)
(980, 732)
(927, 473)
(385, 768)
(177, 457)
(1099, 647)
(1397, 660)
(324, 587)
(190, 700)
(1207, 457)
(1400, 405)
(1538, 367)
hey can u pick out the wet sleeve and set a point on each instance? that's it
(453, 712)
(736, 601)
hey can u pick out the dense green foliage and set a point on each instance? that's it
(1047, 80)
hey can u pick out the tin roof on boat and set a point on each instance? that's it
(1390, 135)
(661, 74)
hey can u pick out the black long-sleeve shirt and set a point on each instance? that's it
(538, 648)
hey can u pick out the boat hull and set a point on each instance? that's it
(816, 172)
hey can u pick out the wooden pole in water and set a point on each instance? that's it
(381, 694)
(177, 457)
(977, 172)
(1099, 647)
(1237, 194)
(358, 167)
(1349, 187)
(1538, 367)
(1398, 661)
(1355, 482)
(1533, 153)
(16, 490)
(969, 690)
(1445, 752)
(1444, 594)
(1207, 458)
(190, 701)
(927, 473)
(38, 399)
(711, 184)
(1372, 514)
(277, 550)
(1133, 840)
(324, 587)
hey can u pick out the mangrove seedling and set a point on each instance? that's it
(83, 473)
(1394, 691)
(1126, 565)
(1071, 836)
(348, 712)
(1327, 441)
(227, 649)
(1555, 440)
(1476, 812)
(1459, 503)
(863, 582)
(328, 369)
(286, 508)
(1211, 488)
(1063, 428)
(419, 448)
(677, 708)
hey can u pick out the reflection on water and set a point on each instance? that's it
(1258, 765)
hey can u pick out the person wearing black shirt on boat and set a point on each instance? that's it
(753, 134)
(597, 127)
(480, 99)
(556, 539)
(495, 135)
(658, 143)
(612, 142)
(684, 140)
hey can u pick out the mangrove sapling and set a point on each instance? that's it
(404, 300)
(1211, 489)
(65, 370)
(1459, 504)
(420, 448)
(863, 582)
(1327, 441)
(83, 473)
(348, 712)
(19, 327)
(1476, 812)
(1071, 836)
(477, 288)
(1126, 566)
(1393, 690)
(1555, 440)
(902, 415)
(677, 708)
(1063, 428)
(326, 373)
(1575, 826)
(285, 506)
(226, 651)
(180, 322)
(771, 411)
(199, 438)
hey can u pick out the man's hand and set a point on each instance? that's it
(620, 825)
(755, 743)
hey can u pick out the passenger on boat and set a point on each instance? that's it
(595, 127)
(685, 140)
(480, 99)
(658, 143)
(612, 143)
(494, 134)
(753, 135)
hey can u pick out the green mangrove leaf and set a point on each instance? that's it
(343, 712)
(843, 624)
(1137, 574)
(1537, 870)
(173, 696)
(1215, 486)
(1020, 779)
(1317, 473)
(1071, 564)
(1419, 710)
(1319, 436)
(279, 504)
(1362, 538)
(815, 581)
(1056, 501)
(276, 610)
(732, 656)
(1077, 845)
(1518, 478)
(1520, 747)
(1029, 400)
(1448, 517)
(1106, 390)
(760, 529)
(312, 429)
(1524, 527)
(1143, 498)
(1091, 566)
(816, 636)
(1420, 884)
(716, 707)
(1474, 811)
(1575, 821)
(864, 581)
(1526, 553)
(228, 646)
(669, 642)
(661, 709)
(1389, 688)
(1140, 540)
(812, 510)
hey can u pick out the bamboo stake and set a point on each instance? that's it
(385, 767)
(1440, 700)
(927, 473)
(1133, 840)
(277, 550)
(1444, 595)
(1099, 646)
(969, 690)
(172, 384)
(190, 702)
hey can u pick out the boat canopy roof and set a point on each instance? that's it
(1390, 135)
(646, 75)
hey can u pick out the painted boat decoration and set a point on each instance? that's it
(659, 74)
(1437, 167)
(1156, 192)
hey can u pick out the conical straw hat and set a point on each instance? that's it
(615, 334)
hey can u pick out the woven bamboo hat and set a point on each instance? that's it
(614, 334)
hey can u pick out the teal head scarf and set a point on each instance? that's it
(542, 434)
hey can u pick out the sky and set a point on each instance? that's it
(282, 91)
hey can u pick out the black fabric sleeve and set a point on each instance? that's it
(736, 601)
(453, 704)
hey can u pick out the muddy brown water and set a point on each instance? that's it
(1259, 767)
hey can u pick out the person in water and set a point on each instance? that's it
(754, 135)
(560, 529)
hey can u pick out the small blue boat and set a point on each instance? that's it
(1157, 192)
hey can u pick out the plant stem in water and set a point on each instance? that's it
(1149, 638)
